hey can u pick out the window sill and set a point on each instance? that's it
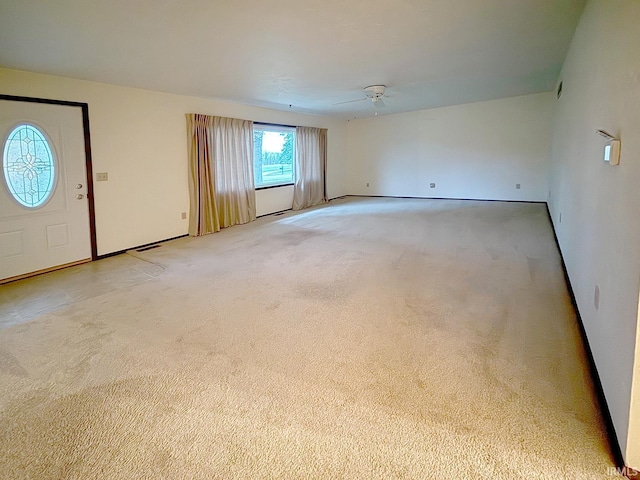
(266, 187)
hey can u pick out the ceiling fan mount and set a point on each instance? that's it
(374, 93)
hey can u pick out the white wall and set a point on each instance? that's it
(479, 151)
(139, 138)
(276, 199)
(599, 233)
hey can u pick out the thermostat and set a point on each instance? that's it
(612, 152)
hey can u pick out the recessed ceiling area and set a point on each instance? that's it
(297, 54)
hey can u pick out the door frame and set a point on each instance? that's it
(87, 155)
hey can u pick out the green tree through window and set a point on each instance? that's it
(273, 155)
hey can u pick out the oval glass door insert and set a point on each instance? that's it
(29, 166)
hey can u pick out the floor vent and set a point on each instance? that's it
(278, 214)
(144, 249)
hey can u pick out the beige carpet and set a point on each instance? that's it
(369, 338)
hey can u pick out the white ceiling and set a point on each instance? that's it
(307, 54)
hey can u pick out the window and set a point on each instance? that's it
(273, 155)
(28, 166)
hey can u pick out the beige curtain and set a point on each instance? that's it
(221, 184)
(311, 167)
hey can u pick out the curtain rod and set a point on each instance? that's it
(274, 124)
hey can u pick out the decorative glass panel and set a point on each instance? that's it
(28, 166)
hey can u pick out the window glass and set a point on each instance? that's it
(273, 155)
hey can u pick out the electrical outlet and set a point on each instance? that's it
(183, 215)
(102, 177)
(432, 185)
(517, 186)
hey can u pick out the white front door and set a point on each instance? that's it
(44, 211)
